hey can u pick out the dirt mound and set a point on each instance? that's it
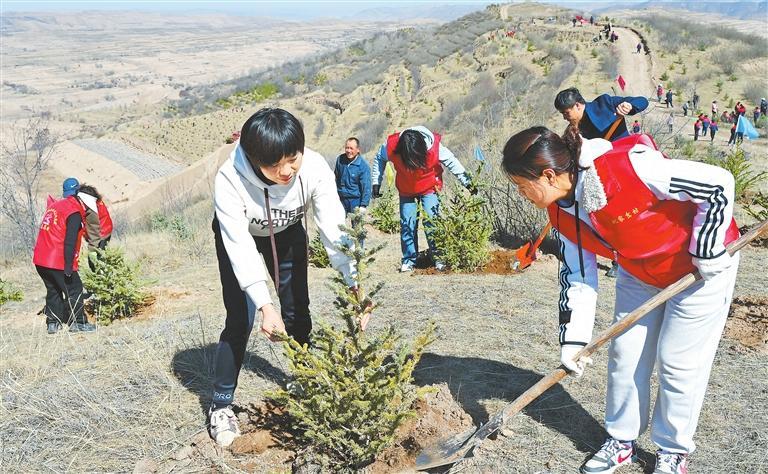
(438, 416)
(748, 323)
(500, 264)
(268, 442)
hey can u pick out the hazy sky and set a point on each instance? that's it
(296, 9)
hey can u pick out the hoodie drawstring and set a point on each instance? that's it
(578, 240)
(275, 263)
(304, 210)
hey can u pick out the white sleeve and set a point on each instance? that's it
(710, 187)
(449, 160)
(578, 294)
(247, 262)
(329, 215)
(379, 163)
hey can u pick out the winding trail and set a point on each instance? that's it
(634, 68)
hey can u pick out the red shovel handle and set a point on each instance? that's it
(532, 250)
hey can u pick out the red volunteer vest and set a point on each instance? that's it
(49, 248)
(420, 181)
(648, 236)
(105, 221)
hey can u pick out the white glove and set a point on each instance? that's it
(567, 353)
(710, 267)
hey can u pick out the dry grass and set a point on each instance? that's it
(99, 402)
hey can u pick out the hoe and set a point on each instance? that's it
(456, 448)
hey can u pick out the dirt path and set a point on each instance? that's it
(634, 68)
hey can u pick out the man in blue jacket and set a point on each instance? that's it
(594, 119)
(353, 177)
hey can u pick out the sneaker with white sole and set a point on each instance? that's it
(406, 268)
(611, 456)
(223, 426)
(670, 463)
(440, 266)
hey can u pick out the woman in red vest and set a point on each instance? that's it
(661, 219)
(98, 222)
(55, 257)
(418, 158)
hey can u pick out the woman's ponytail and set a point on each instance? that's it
(572, 141)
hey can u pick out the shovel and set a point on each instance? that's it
(454, 449)
(525, 255)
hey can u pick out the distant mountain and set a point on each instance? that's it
(745, 10)
(443, 13)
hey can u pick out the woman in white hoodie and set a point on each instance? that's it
(261, 195)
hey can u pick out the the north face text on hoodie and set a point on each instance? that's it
(281, 218)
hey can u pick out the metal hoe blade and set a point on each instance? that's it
(447, 451)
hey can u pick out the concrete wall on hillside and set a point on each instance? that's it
(164, 193)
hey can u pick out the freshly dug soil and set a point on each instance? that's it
(500, 264)
(438, 416)
(748, 323)
(267, 442)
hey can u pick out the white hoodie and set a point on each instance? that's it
(239, 199)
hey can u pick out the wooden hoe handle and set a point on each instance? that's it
(620, 326)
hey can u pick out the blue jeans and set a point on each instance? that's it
(409, 225)
(350, 203)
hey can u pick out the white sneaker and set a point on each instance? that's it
(406, 268)
(610, 457)
(223, 425)
(670, 463)
(440, 266)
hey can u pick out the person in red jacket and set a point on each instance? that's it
(55, 257)
(662, 219)
(98, 222)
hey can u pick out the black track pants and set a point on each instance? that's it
(291, 247)
(64, 296)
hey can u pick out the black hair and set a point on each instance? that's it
(528, 153)
(567, 98)
(412, 149)
(89, 190)
(269, 135)
(354, 139)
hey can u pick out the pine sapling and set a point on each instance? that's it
(386, 209)
(462, 230)
(9, 292)
(318, 255)
(351, 389)
(115, 284)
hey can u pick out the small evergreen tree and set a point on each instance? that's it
(114, 283)
(318, 255)
(351, 390)
(744, 177)
(462, 231)
(9, 292)
(385, 211)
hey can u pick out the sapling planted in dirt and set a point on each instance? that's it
(351, 389)
(114, 283)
